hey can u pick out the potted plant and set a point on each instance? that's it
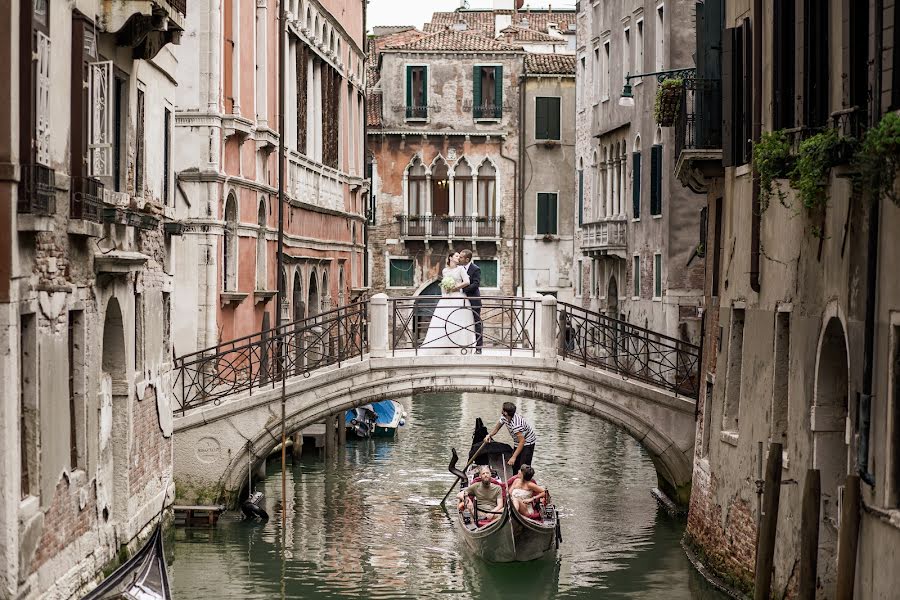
(877, 161)
(668, 101)
(773, 160)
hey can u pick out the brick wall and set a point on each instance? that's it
(72, 513)
(148, 443)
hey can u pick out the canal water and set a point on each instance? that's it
(368, 525)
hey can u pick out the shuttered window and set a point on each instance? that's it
(657, 275)
(416, 92)
(636, 276)
(401, 272)
(580, 198)
(489, 274)
(546, 214)
(783, 53)
(737, 86)
(636, 185)
(815, 63)
(656, 154)
(546, 118)
(487, 92)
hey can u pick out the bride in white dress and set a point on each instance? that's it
(452, 325)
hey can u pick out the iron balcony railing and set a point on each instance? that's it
(608, 234)
(37, 190)
(416, 112)
(699, 123)
(487, 111)
(593, 339)
(447, 227)
(86, 199)
(502, 323)
(254, 361)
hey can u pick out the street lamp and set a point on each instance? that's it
(627, 97)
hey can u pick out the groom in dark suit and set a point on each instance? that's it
(473, 291)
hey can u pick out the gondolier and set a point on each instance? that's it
(521, 432)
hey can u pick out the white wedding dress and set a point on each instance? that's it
(452, 325)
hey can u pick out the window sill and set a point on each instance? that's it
(604, 100)
(488, 119)
(742, 170)
(659, 216)
(635, 297)
(416, 119)
(657, 298)
(636, 220)
(729, 437)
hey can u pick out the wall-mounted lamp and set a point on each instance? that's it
(627, 97)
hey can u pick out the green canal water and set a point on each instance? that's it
(367, 524)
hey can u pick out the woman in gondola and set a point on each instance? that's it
(523, 491)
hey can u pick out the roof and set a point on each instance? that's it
(394, 35)
(373, 108)
(550, 64)
(380, 30)
(522, 34)
(454, 41)
(484, 20)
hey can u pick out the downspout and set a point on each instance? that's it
(520, 200)
(365, 141)
(756, 213)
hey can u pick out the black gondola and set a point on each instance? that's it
(143, 576)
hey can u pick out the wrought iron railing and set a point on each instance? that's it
(487, 111)
(255, 361)
(180, 6)
(86, 199)
(37, 190)
(416, 112)
(593, 339)
(428, 326)
(699, 124)
(447, 227)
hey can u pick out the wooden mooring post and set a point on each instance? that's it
(809, 534)
(765, 545)
(848, 538)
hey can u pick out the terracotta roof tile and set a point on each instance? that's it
(373, 108)
(550, 64)
(451, 40)
(484, 20)
(521, 34)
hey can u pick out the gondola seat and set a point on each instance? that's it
(494, 480)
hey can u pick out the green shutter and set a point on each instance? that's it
(551, 212)
(656, 153)
(409, 98)
(540, 119)
(498, 92)
(424, 91)
(401, 272)
(542, 225)
(488, 273)
(476, 91)
(580, 198)
(636, 185)
(553, 119)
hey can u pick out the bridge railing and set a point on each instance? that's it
(251, 362)
(592, 338)
(423, 325)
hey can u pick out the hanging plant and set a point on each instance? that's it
(668, 100)
(878, 159)
(817, 155)
(772, 160)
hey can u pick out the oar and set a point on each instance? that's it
(509, 503)
(444, 500)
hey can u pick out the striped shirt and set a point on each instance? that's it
(518, 424)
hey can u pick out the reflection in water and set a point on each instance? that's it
(368, 524)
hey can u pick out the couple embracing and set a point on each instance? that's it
(456, 321)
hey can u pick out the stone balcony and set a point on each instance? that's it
(607, 236)
(434, 227)
(698, 134)
(144, 25)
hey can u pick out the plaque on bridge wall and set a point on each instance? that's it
(208, 450)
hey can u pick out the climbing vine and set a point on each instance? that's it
(878, 159)
(772, 160)
(668, 100)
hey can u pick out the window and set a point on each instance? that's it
(895, 55)
(639, 50)
(657, 276)
(582, 96)
(737, 87)
(636, 186)
(596, 71)
(717, 247)
(487, 183)
(487, 91)
(167, 324)
(733, 374)
(894, 391)
(783, 52)
(416, 187)
(660, 39)
(604, 83)
(594, 278)
(463, 194)
(416, 92)
(401, 272)
(28, 406)
(579, 278)
(138, 332)
(118, 135)
(167, 155)
(782, 354)
(139, 154)
(76, 351)
(230, 245)
(261, 247)
(580, 197)
(815, 63)
(636, 276)
(626, 52)
(859, 54)
(302, 73)
(331, 105)
(656, 174)
(546, 213)
(489, 274)
(84, 52)
(546, 118)
(707, 419)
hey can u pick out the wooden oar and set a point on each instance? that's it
(444, 500)
(509, 503)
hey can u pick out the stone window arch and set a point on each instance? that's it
(464, 188)
(230, 245)
(261, 246)
(326, 291)
(415, 186)
(440, 187)
(341, 284)
(487, 189)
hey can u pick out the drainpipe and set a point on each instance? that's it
(365, 142)
(519, 256)
(756, 216)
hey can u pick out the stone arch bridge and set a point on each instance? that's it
(230, 397)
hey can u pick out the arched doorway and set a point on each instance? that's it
(297, 295)
(115, 387)
(829, 421)
(313, 304)
(440, 190)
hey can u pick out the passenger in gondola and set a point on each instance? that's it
(522, 434)
(524, 491)
(486, 494)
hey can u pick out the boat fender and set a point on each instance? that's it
(402, 422)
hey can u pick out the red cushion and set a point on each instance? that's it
(535, 516)
(483, 522)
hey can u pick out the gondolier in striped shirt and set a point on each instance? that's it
(522, 434)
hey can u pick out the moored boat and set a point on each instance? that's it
(389, 416)
(143, 576)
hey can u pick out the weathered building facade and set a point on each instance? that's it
(637, 225)
(227, 128)
(800, 300)
(85, 285)
(450, 109)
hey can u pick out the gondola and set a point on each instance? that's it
(143, 576)
(511, 537)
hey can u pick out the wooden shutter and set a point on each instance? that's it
(553, 118)
(498, 92)
(580, 198)
(409, 87)
(636, 185)
(476, 91)
(551, 210)
(656, 152)
(542, 214)
(424, 99)
(747, 93)
(727, 98)
(540, 118)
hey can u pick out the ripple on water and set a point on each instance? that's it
(368, 525)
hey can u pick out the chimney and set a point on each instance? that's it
(460, 25)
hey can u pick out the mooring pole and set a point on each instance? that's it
(809, 534)
(848, 539)
(765, 547)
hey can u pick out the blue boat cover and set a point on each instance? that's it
(385, 411)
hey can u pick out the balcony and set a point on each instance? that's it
(698, 134)
(417, 113)
(605, 237)
(145, 25)
(427, 227)
(86, 200)
(487, 111)
(37, 191)
(312, 183)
